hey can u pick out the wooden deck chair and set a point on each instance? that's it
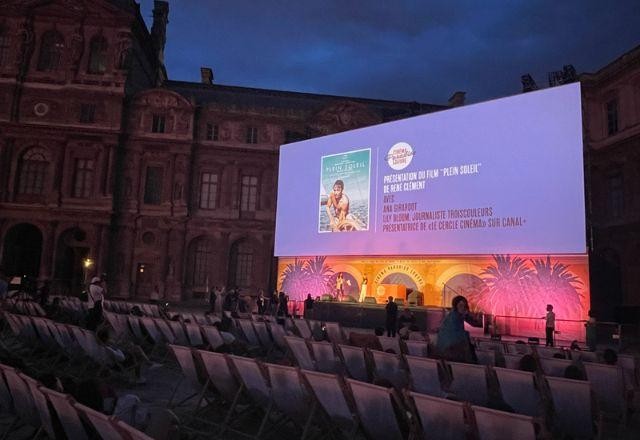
(607, 382)
(496, 346)
(278, 335)
(629, 365)
(388, 343)
(554, 367)
(102, 424)
(119, 324)
(155, 310)
(316, 329)
(130, 433)
(469, 382)
(302, 328)
(518, 349)
(300, 351)
(512, 361)
(254, 381)
(425, 375)
(355, 362)
(334, 333)
(330, 391)
(390, 367)
(486, 357)
(549, 352)
(440, 419)
(184, 356)
(225, 382)
(179, 333)
(417, 348)
(166, 331)
(325, 357)
(376, 408)
(499, 425)
(40, 403)
(136, 331)
(194, 334)
(519, 391)
(213, 336)
(24, 406)
(248, 332)
(572, 411)
(146, 309)
(585, 356)
(291, 397)
(263, 335)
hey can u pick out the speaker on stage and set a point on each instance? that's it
(326, 297)
(369, 300)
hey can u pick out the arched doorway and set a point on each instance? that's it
(22, 250)
(465, 284)
(71, 250)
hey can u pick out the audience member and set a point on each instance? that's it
(308, 303)
(261, 302)
(528, 363)
(392, 316)
(610, 357)
(95, 296)
(454, 343)
(591, 327)
(573, 372)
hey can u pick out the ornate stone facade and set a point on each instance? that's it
(160, 183)
(611, 103)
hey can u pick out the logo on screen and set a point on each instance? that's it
(400, 155)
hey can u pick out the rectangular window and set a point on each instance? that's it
(157, 125)
(87, 113)
(208, 190)
(615, 196)
(83, 178)
(153, 186)
(612, 117)
(4, 47)
(249, 193)
(252, 135)
(212, 132)
(243, 269)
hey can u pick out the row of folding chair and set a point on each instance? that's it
(51, 346)
(126, 307)
(24, 307)
(33, 405)
(334, 403)
(525, 392)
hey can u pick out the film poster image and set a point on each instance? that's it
(345, 180)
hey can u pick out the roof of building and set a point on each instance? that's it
(203, 94)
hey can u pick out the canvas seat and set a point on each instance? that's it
(469, 382)
(355, 362)
(376, 408)
(424, 375)
(300, 352)
(440, 419)
(499, 425)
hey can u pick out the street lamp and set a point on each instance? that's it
(87, 264)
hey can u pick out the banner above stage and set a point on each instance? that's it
(505, 176)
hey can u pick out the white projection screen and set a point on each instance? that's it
(504, 176)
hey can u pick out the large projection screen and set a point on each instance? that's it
(504, 176)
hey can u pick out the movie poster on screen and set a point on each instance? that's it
(345, 180)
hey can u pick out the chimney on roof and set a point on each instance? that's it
(206, 75)
(457, 99)
(159, 27)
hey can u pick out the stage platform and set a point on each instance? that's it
(352, 314)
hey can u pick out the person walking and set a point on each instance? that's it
(392, 316)
(95, 296)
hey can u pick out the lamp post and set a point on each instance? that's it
(87, 264)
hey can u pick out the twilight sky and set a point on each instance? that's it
(419, 50)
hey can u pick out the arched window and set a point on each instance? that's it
(4, 46)
(33, 171)
(241, 267)
(51, 48)
(200, 260)
(98, 54)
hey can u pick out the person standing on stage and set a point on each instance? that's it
(550, 325)
(363, 289)
(392, 316)
(339, 286)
